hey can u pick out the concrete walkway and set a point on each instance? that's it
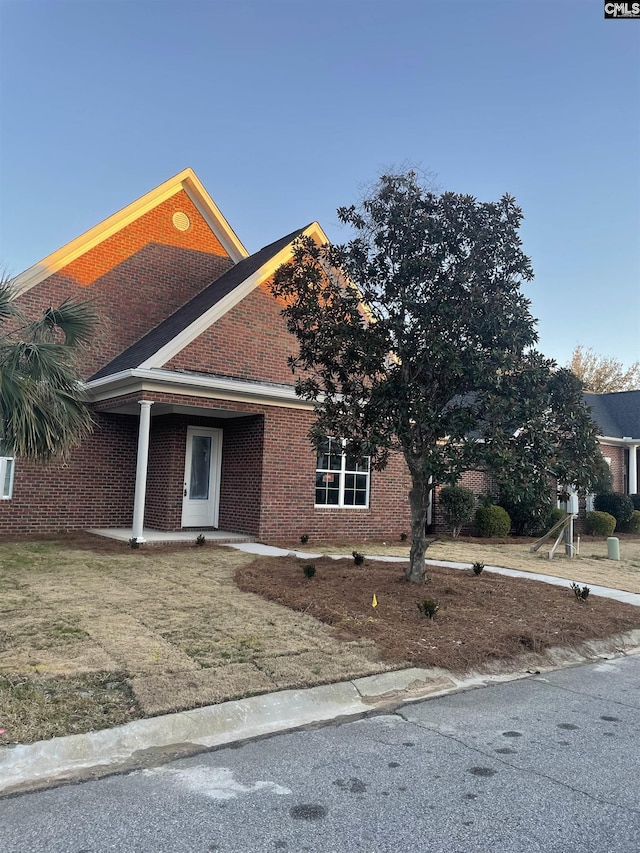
(154, 740)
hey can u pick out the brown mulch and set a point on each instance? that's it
(481, 618)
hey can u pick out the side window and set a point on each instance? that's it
(342, 480)
(7, 465)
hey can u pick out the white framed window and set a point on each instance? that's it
(342, 479)
(7, 466)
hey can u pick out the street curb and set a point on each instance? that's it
(64, 759)
(59, 759)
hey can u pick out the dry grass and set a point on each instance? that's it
(93, 633)
(163, 628)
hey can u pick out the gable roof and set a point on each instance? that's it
(160, 344)
(185, 180)
(617, 415)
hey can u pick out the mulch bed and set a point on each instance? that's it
(481, 618)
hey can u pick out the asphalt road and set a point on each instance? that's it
(549, 763)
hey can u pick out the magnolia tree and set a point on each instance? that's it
(415, 337)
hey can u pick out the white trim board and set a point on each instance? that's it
(185, 180)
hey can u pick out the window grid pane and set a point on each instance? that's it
(342, 479)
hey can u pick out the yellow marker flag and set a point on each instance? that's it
(374, 603)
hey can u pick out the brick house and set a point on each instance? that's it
(197, 422)
(618, 418)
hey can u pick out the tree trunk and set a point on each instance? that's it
(419, 501)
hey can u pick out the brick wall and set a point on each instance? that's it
(251, 341)
(616, 455)
(93, 489)
(288, 492)
(135, 278)
(242, 475)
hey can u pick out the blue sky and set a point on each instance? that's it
(286, 109)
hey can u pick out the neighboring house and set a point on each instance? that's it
(197, 421)
(617, 416)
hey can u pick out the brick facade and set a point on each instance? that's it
(93, 489)
(135, 278)
(617, 465)
(250, 342)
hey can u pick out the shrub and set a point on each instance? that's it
(403, 537)
(457, 505)
(633, 526)
(477, 568)
(358, 558)
(554, 516)
(530, 518)
(309, 570)
(200, 539)
(635, 500)
(428, 608)
(304, 538)
(617, 505)
(133, 542)
(600, 523)
(493, 521)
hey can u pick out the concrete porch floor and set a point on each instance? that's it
(157, 537)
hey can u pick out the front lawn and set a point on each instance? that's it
(93, 634)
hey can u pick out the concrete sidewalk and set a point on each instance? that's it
(154, 740)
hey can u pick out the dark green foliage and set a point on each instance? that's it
(493, 521)
(428, 608)
(633, 525)
(304, 538)
(416, 337)
(309, 570)
(580, 592)
(635, 500)
(531, 519)
(554, 516)
(133, 542)
(599, 523)
(457, 506)
(477, 568)
(403, 537)
(200, 539)
(617, 505)
(358, 558)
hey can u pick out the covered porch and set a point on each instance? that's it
(163, 537)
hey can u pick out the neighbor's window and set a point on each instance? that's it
(342, 479)
(6, 474)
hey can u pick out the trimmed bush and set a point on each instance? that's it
(493, 521)
(600, 523)
(633, 526)
(617, 505)
(457, 506)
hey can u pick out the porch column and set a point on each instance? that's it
(141, 469)
(633, 469)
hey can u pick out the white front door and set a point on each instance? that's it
(203, 459)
